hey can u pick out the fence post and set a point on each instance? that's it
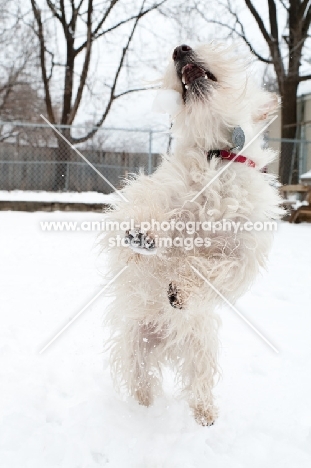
(303, 151)
(67, 177)
(300, 158)
(17, 147)
(150, 153)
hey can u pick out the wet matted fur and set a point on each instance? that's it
(162, 312)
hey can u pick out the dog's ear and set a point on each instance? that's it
(268, 106)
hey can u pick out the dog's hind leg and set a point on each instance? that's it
(197, 373)
(134, 361)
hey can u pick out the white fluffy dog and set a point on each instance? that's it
(163, 311)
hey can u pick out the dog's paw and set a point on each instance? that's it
(175, 296)
(205, 417)
(141, 242)
(143, 397)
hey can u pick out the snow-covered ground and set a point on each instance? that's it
(56, 197)
(59, 409)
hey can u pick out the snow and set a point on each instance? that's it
(56, 197)
(59, 409)
(299, 203)
(306, 176)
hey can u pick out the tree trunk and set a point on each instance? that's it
(289, 124)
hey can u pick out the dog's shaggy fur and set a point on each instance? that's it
(146, 331)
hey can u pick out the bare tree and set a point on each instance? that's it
(286, 54)
(22, 102)
(16, 52)
(19, 98)
(81, 24)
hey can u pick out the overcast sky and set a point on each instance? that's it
(136, 109)
(151, 50)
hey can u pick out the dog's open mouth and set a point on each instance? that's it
(192, 74)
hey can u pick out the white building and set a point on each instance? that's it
(303, 136)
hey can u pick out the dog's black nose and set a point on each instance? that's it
(181, 51)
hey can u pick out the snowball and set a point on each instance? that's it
(167, 101)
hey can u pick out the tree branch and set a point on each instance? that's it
(86, 64)
(131, 91)
(306, 22)
(97, 28)
(273, 21)
(6, 94)
(12, 81)
(241, 34)
(303, 8)
(105, 16)
(304, 78)
(271, 40)
(259, 21)
(75, 12)
(46, 84)
(53, 10)
(117, 25)
(283, 4)
(63, 13)
(112, 95)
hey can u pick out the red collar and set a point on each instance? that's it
(223, 154)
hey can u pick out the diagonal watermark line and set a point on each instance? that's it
(236, 310)
(82, 310)
(232, 160)
(84, 158)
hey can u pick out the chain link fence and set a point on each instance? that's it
(35, 157)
